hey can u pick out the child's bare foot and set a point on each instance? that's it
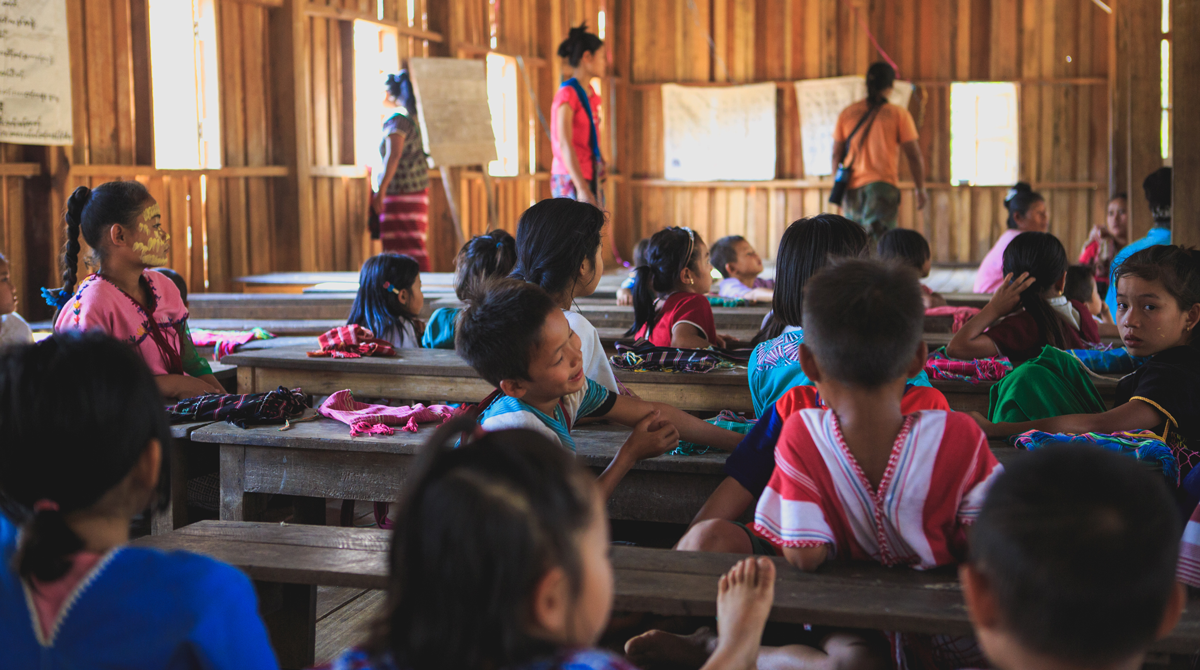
(659, 648)
(744, 598)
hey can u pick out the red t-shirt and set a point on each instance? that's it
(581, 129)
(1018, 338)
(681, 307)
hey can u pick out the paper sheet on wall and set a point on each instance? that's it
(820, 101)
(725, 133)
(35, 72)
(452, 104)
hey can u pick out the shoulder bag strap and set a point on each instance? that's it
(593, 139)
(871, 114)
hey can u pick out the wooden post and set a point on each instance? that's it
(1185, 138)
(451, 182)
(1118, 95)
(297, 247)
(1145, 112)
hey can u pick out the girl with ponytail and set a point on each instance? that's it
(1027, 212)
(1029, 309)
(122, 224)
(577, 170)
(484, 257)
(669, 304)
(83, 446)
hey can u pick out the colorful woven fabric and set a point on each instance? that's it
(352, 342)
(243, 411)
(728, 420)
(1113, 361)
(365, 419)
(940, 366)
(718, 301)
(961, 315)
(225, 342)
(1143, 445)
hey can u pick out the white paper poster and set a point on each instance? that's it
(820, 101)
(35, 72)
(719, 133)
(452, 99)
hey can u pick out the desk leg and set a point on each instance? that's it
(290, 614)
(175, 514)
(233, 482)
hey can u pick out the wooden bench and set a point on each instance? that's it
(289, 562)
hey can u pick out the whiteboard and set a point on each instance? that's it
(452, 106)
(820, 101)
(719, 133)
(35, 73)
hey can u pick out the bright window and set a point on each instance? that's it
(376, 55)
(983, 133)
(502, 80)
(183, 66)
(1165, 80)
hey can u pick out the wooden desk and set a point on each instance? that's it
(174, 515)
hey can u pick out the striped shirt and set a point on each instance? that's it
(506, 412)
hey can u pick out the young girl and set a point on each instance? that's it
(1026, 212)
(1105, 241)
(123, 226)
(677, 272)
(83, 440)
(1035, 268)
(911, 248)
(484, 257)
(500, 559)
(558, 248)
(1158, 307)
(389, 300)
(13, 329)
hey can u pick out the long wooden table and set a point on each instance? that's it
(289, 562)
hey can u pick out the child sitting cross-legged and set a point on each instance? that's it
(862, 480)
(1072, 563)
(518, 339)
(740, 266)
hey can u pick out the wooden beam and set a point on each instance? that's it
(20, 169)
(350, 171)
(1145, 151)
(1118, 95)
(1185, 137)
(147, 171)
(295, 239)
(827, 183)
(261, 3)
(476, 50)
(328, 12)
(927, 83)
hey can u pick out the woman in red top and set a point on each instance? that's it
(578, 168)
(1105, 241)
(1035, 269)
(677, 271)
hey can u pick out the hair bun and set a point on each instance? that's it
(1021, 187)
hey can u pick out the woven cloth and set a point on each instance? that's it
(728, 420)
(352, 341)
(718, 301)
(642, 356)
(225, 342)
(365, 419)
(1113, 361)
(1143, 445)
(940, 366)
(243, 411)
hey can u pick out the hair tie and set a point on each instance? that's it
(387, 286)
(56, 298)
(499, 245)
(45, 505)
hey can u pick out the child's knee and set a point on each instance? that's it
(716, 535)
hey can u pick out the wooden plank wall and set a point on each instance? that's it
(1063, 106)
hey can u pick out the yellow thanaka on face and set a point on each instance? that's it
(154, 250)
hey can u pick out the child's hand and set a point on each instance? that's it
(987, 426)
(1008, 295)
(624, 297)
(652, 436)
(721, 340)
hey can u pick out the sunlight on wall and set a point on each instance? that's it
(983, 133)
(502, 99)
(376, 55)
(183, 64)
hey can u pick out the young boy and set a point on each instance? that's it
(740, 266)
(861, 480)
(1072, 563)
(517, 339)
(13, 329)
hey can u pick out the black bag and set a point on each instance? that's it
(841, 179)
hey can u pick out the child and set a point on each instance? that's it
(1081, 287)
(1106, 240)
(910, 247)
(500, 559)
(13, 329)
(1035, 268)
(389, 300)
(83, 444)
(625, 292)
(122, 224)
(558, 248)
(740, 266)
(1158, 307)
(806, 247)
(519, 340)
(484, 257)
(669, 304)
(862, 480)
(1072, 563)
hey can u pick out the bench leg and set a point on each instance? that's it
(175, 514)
(236, 504)
(290, 614)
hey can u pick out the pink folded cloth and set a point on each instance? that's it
(365, 419)
(961, 315)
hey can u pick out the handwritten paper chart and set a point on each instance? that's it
(820, 101)
(35, 72)
(712, 134)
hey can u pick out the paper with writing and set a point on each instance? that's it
(35, 72)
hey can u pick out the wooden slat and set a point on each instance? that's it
(130, 171)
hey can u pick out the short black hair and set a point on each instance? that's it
(906, 246)
(497, 332)
(1080, 281)
(724, 251)
(1079, 546)
(863, 320)
(1157, 187)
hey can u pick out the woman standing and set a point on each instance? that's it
(578, 168)
(402, 196)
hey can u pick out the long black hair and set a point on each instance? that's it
(399, 86)
(1045, 259)
(670, 251)
(376, 307)
(484, 257)
(554, 238)
(1178, 268)
(77, 411)
(579, 41)
(1018, 201)
(880, 77)
(476, 530)
(806, 247)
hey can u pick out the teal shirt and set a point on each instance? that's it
(439, 332)
(1157, 235)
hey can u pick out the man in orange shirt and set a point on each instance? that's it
(873, 195)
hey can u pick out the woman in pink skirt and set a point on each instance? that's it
(402, 198)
